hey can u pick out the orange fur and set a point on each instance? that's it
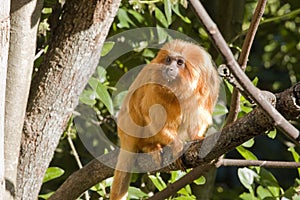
(188, 103)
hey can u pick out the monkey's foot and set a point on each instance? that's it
(180, 164)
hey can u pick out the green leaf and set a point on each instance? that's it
(175, 8)
(247, 196)
(118, 99)
(272, 134)
(46, 196)
(107, 47)
(175, 175)
(161, 17)
(267, 178)
(148, 53)
(255, 81)
(88, 97)
(246, 177)
(162, 34)
(136, 15)
(200, 181)
(52, 173)
(105, 97)
(158, 182)
(93, 82)
(168, 11)
(248, 155)
(295, 156)
(229, 86)
(101, 74)
(263, 192)
(294, 153)
(220, 109)
(124, 20)
(136, 193)
(249, 143)
(290, 192)
(185, 193)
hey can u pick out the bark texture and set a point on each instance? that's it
(199, 153)
(24, 18)
(4, 44)
(71, 59)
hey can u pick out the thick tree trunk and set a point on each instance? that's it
(4, 44)
(24, 22)
(70, 60)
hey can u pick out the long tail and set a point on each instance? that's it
(120, 185)
(122, 176)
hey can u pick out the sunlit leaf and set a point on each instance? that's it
(136, 193)
(220, 109)
(158, 182)
(175, 8)
(249, 143)
(93, 82)
(248, 155)
(105, 97)
(46, 196)
(246, 177)
(161, 17)
(263, 192)
(295, 156)
(168, 11)
(88, 97)
(107, 47)
(200, 181)
(101, 74)
(124, 20)
(272, 134)
(53, 173)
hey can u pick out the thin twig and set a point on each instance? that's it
(259, 163)
(74, 151)
(76, 156)
(243, 58)
(279, 121)
(183, 181)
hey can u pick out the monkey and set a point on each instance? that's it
(170, 102)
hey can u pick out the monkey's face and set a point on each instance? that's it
(183, 67)
(172, 66)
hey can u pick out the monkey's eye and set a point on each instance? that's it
(180, 62)
(168, 60)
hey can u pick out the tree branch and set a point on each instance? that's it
(243, 58)
(253, 124)
(279, 121)
(259, 163)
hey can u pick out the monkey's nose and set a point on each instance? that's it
(169, 73)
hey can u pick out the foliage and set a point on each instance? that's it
(272, 66)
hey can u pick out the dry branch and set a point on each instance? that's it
(243, 58)
(259, 163)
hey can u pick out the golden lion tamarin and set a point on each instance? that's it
(171, 101)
